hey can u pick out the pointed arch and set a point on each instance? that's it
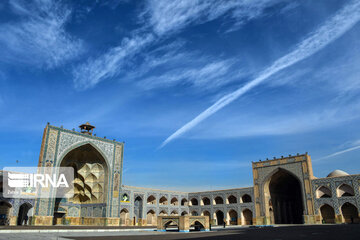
(219, 217)
(247, 217)
(151, 218)
(151, 200)
(205, 201)
(194, 202)
(184, 202)
(170, 223)
(198, 226)
(246, 198)
(206, 213)
(327, 213)
(163, 200)
(174, 213)
(283, 194)
(124, 217)
(232, 199)
(350, 213)
(194, 213)
(218, 200)
(323, 192)
(174, 201)
(90, 185)
(232, 217)
(163, 213)
(78, 145)
(23, 217)
(345, 190)
(184, 213)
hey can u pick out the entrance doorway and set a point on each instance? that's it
(220, 217)
(286, 198)
(327, 214)
(23, 214)
(350, 213)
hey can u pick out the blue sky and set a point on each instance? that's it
(196, 89)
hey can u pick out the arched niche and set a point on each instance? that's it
(323, 192)
(90, 179)
(345, 190)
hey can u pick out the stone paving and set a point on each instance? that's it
(290, 232)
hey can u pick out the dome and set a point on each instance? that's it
(338, 173)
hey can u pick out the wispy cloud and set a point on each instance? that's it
(207, 75)
(162, 19)
(345, 19)
(171, 16)
(111, 63)
(39, 36)
(339, 153)
(172, 65)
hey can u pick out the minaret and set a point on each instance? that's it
(87, 128)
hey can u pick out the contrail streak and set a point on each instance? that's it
(340, 152)
(340, 23)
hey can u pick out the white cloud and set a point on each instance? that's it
(205, 76)
(339, 153)
(39, 36)
(344, 20)
(111, 63)
(170, 16)
(165, 18)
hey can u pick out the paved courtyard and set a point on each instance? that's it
(328, 232)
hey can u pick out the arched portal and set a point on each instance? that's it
(23, 217)
(90, 180)
(286, 198)
(138, 208)
(327, 214)
(233, 217)
(124, 215)
(247, 217)
(172, 225)
(151, 218)
(197, 226)
(350, 213)
(4, 212)
(219, 215)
